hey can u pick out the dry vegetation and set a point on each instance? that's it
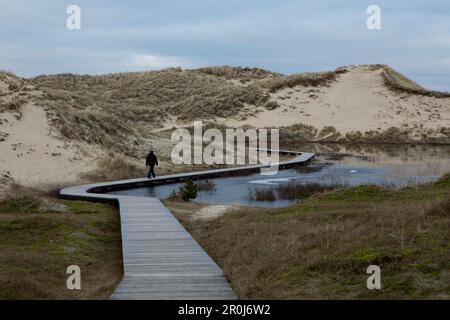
(398, 82)
(306, 79)
(321, 248)
(261, 194)
(120, 111)
(238, 73)
(301, 133)
(291, 190)
(13, 93)
(40, 236)
(115, 167)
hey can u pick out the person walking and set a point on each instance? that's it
(151, 161)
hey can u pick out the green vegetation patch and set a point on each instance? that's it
(22, 204)
(321, 249)
(37, 244)
(358, 193)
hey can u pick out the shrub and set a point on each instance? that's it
(271, 105)
(188, 190)
(329, 133)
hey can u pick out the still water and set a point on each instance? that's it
(393, 166)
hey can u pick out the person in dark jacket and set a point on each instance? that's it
(151, 161)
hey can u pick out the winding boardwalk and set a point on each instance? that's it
(160, 258)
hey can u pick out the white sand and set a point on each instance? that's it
(357, 101)
(211, 212)
(32, 156)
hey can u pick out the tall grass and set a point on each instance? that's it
(294, 191)
(261, 194)
(291, 190)
(115, 167)
(239, 73)
(303, 79)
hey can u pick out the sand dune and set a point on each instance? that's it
(358, 101)
(53, 128)
(32, 155)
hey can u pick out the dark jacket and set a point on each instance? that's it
(151, 160)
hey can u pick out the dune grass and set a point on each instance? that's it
(398, 82)
(12, 97)
(312, 79)
(115, 167)
(120, 110)
(238, 73)
(321, 248)
(302, 133)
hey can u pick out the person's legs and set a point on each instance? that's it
(152, 171)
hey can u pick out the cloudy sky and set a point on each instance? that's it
(285, 36)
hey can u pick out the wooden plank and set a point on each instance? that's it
(157, 251)
(161, 259)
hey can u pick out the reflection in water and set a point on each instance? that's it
(390, 166)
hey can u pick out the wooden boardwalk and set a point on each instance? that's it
(160, 258)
